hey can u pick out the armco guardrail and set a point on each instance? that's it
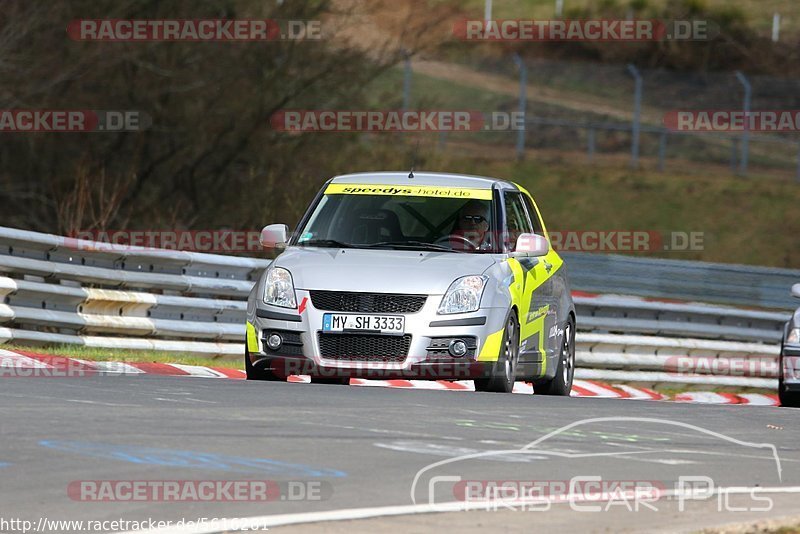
(136, 298)
(739, 285)
(688, 361)
(616, 313)
(62, 258)
(62, 290)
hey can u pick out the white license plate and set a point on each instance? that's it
(385, 324)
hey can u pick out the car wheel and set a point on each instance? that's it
(561, 384)
(503, 374)
(258, 374)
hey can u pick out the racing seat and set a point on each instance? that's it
(375, 225)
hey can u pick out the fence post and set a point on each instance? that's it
(559, 8)
(407, 81)
(748, 93)
(662, 150)
(637, 111)
(776, 27)
(487, 11)
(523, 99)
(590, 145)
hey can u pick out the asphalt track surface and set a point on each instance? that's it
(361, 447)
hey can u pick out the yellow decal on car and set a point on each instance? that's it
(529, 275)
(252, 338)
(409, 190)
(491, 347)
(536, 326)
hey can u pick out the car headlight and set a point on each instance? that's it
(279, 289)
(794, 336)
(463, 295)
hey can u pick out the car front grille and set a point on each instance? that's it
(364, 347)
(344, 301)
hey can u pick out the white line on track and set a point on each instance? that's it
(349, 514)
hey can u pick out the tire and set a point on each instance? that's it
(503, 374)
(258, 374)
(561, 384)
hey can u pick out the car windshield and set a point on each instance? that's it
(400, 222)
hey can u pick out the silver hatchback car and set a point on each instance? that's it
(415, 276)
(789, 377)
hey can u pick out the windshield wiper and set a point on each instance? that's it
(414, 245)
(327, 243)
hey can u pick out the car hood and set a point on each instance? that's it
(383, 271)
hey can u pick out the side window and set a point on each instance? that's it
(516, 220)
(538, 227)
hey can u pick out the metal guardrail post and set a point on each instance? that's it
(748, 93)
(637, 114)
(523, 100)
(590, 144)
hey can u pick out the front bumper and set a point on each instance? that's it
(426, 357)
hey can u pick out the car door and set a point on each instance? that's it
(556, 286)
(538, 309)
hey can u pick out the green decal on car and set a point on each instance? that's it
(252, 338)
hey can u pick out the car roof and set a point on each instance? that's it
(422, 178)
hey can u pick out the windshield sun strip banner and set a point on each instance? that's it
(409, 190)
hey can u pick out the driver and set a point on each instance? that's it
(473, 224)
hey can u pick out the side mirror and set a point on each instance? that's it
(796, 290)
(532, 245)
(274, 236)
